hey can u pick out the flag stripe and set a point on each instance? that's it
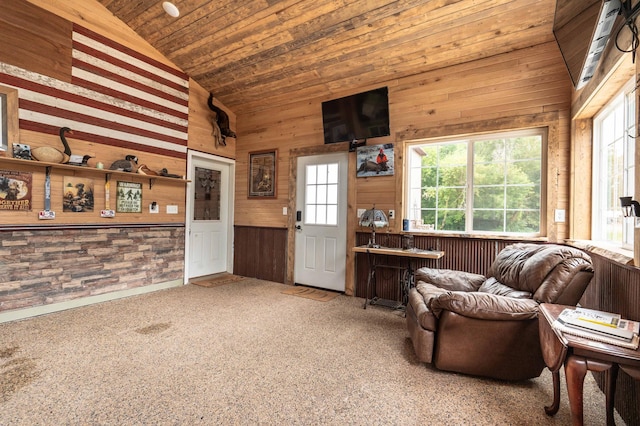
(36, 87)
(107, 70)
(127, 52)
(126, 144)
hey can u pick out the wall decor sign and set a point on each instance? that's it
(262, 174)
(129, 197)
(15, 190)
(77, 194)
(375, 160)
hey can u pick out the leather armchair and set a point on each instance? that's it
(488, 326)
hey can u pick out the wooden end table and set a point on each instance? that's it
(579, 355)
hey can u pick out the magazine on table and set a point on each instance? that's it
(600, 326)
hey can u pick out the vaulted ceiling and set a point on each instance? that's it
(257, 53)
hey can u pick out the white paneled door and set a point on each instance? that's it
(209, 216)
(321, 231)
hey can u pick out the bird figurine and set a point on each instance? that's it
(129, 164)
(79, 160)
(53, 155)
(144, 170)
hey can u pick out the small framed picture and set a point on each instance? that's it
(263, 167)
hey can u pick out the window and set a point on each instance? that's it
(481, 184)
(613, 168)
(321, 196)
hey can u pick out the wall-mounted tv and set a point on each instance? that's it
(582, 29)
(360, 116)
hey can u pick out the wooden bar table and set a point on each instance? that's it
(373, 254)
(579, 355)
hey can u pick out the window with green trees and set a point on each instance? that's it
(482, 184)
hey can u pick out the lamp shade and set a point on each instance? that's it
(374, 218)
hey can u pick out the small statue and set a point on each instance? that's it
(129, 164)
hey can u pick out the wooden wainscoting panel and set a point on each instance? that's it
(260, 253)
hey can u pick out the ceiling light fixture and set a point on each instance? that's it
(171, 9)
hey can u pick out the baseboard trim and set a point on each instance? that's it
(25, 313)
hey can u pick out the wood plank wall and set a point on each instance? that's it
(493, 93)
(524, 88)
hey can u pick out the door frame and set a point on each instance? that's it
(349, 284)
(191, 155)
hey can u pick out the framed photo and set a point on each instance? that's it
(375, 160)
(263, 166)
(129, 197)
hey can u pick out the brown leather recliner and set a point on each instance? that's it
(488, 326)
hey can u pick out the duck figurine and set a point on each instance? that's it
(129, 164)
(53, 155)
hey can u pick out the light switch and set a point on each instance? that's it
(360, 211)
(560, 215)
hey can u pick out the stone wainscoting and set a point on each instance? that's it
(48, 266)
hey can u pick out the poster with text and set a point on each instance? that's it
(15, 190)
(129, 197)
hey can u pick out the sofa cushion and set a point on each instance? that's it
(450, 279)
(492, 286)
(484, 306)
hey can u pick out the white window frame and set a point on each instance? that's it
(601, 213)
(469, 139)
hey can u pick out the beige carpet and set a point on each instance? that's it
(246, 354)
(311, 293)
(216, 280)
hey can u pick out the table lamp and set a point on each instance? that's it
(374, 218)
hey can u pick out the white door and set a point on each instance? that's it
(321, 232)
(209, 210)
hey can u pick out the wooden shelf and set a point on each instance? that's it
(106, 172)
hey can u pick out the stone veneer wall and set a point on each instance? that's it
(45, 266)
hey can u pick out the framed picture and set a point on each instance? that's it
(129, 197)
(263, 166)
(78, 194)
(375, 160)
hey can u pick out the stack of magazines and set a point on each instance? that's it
(599, 326)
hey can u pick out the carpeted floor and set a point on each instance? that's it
(311, 293)
(245, 354)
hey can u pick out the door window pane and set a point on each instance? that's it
(207, 194)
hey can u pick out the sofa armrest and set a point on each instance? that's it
(484, 306)
(449, 279)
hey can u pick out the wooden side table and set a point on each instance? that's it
(579, 355)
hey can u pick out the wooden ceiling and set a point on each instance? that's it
(254, 54)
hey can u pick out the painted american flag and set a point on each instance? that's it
(116, 97)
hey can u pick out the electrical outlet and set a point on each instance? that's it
(284, 211)
(172, 209)
(392, 214)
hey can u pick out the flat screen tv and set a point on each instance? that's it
(582, 29)
(360, 116)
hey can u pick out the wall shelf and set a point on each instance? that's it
(106, 172)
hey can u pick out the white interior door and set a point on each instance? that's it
(321, 232)
(209, 216)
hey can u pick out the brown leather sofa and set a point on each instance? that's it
(488, 326)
